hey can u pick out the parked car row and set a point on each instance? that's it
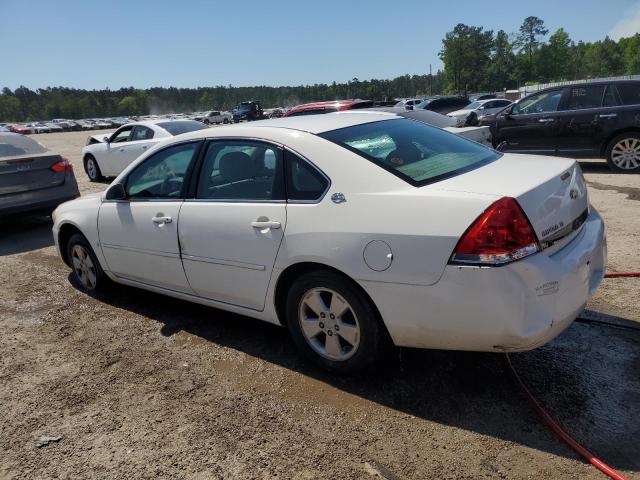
(61, 125)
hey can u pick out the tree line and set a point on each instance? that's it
(475, 60)
(479, 60)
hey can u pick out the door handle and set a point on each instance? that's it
(265, 224)
(546, 120)
(608, 115)
(144, 147)
(160, 220)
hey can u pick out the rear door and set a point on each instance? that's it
(530, 125)
(585, 117)
(231, 231)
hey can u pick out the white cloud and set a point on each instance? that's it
(629, 25)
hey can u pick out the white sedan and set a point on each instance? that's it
(350, 229)
(470, 114)
(108, 155)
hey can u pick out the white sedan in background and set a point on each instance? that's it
(108, 155)
(350, 229)
(470, 114)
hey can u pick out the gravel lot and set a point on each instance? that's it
(136, 385)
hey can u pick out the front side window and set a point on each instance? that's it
(544, 102)
(121, 135)
(583, 97)
(241, 170)
(304, 182)
(162, 174)
(413, 151)
(629, 93)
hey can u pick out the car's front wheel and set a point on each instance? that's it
(225, 121)
(333, 322)
(86, 268)
(93, 169)
(623, 153)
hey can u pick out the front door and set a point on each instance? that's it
(529, 126)
(231, 231)
(139, 235)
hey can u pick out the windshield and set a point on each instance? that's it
(15, 145)
(416, 152)
(182, 126)
(244, 106)
(473, 105)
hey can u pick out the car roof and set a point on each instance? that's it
(597, 83)
(315, 124)
(339, 104)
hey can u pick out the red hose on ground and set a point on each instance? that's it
(621, 274)
(586, 454)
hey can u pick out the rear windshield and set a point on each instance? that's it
(12, 145)
(182, 126)
(416, 152)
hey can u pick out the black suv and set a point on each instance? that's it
(599, 119)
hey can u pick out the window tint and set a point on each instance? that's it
(610, 99)
(240, 171)
(182, 126)
(141, 133)
(162, 174)
(629, 93)
(121, 135)
(585, 97)
(304, 182)
(538, 103)
(417, 153)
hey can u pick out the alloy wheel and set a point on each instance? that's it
(83, 267)
(329, 324)
(92, 170)
(626, 154)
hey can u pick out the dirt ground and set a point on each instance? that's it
(135, 385)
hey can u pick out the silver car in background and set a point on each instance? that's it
(470, 114)
(32, 178)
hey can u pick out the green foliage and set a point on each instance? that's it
(527, 59)
(24, 104)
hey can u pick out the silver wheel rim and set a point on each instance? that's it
(329, 324)
(83, 267)
(91, 168)
(626, 153)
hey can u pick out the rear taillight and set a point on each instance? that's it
(62, 166)
(502, 234)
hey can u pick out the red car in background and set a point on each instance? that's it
(19, 129)
(328, 107)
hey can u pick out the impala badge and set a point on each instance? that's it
(338, 198)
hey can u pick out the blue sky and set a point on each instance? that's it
(143, 43)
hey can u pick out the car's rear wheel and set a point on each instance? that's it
(623, 153)
(86, 268)
(332, 322)
(93, 169)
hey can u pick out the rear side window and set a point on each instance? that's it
(610, 99)
(304, 182)
(629, 93)
(413, 151)
(141, 133)
(581, 97)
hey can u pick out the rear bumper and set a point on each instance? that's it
(46, 199)
(516, 307)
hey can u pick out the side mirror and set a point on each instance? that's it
(116, 192)
(106, 139)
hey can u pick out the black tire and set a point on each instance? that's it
(225, 121)
(616, 162)
(472, 120)
(206, 121)
(370, 338)
(101, 280)
(92, 169)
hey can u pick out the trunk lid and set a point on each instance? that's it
(551, 191)
(22, 173)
